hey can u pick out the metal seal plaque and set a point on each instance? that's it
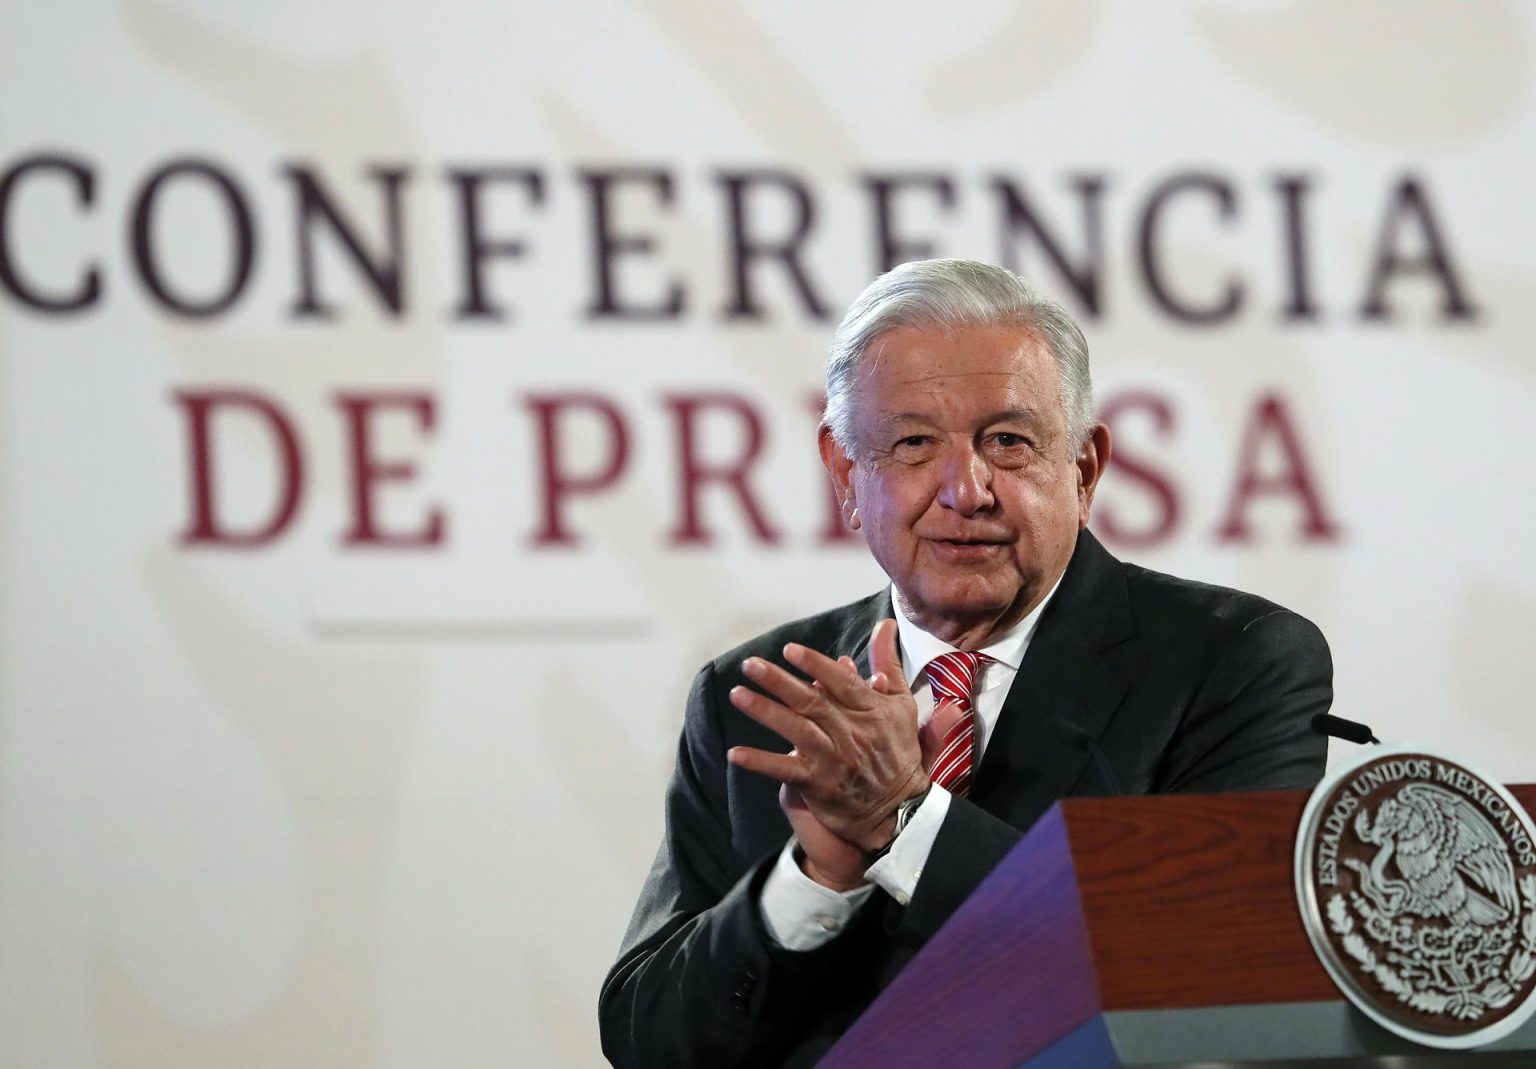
(1416, 878)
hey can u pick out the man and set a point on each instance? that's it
(824, 821)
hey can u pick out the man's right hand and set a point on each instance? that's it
(829, 860)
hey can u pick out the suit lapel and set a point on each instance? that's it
(879, 608)
(854, 641)
(1074, 676)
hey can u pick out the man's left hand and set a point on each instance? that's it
(856, 752)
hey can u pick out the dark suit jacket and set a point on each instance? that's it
(1135, 682)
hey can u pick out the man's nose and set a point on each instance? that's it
(967, 483)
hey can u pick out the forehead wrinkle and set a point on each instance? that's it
(876, 358)
(999, 379)
(1030, 416)
(938, 383)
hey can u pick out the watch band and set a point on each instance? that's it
(904, 814)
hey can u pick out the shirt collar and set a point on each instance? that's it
(918, 647)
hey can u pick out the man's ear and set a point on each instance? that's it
(1092, 459)
(839, 467)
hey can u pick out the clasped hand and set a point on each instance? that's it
(856, 753)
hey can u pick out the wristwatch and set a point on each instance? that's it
(904, 814)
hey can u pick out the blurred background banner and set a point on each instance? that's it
(401, 401)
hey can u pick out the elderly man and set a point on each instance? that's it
(825, 818)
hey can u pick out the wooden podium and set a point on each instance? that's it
(1138, 932)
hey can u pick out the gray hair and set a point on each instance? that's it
(950, 294)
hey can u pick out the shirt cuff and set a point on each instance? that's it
(800, 913)
(900, 869)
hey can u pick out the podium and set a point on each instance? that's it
(1151, 931)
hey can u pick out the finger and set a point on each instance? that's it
(885, 657)
(931, 736)
(877, 682)
(799, 731)
(840, 680)
(791, 798)
(786, 768)
(794, 693)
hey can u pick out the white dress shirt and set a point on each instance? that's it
(800, 913)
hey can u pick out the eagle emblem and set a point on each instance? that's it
(1451, 861)
(1418, 886)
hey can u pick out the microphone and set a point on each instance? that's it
(1338, 728)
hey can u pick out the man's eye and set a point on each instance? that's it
(913, 449)
(1007, 440)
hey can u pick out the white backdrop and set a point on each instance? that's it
(376, 783)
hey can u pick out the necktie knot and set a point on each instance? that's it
(953, 676)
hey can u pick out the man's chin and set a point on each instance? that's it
(964, 606)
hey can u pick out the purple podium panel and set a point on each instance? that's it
(970, 996)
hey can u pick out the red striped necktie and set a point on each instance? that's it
(952, 677)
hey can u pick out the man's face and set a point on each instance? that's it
(969, 493)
